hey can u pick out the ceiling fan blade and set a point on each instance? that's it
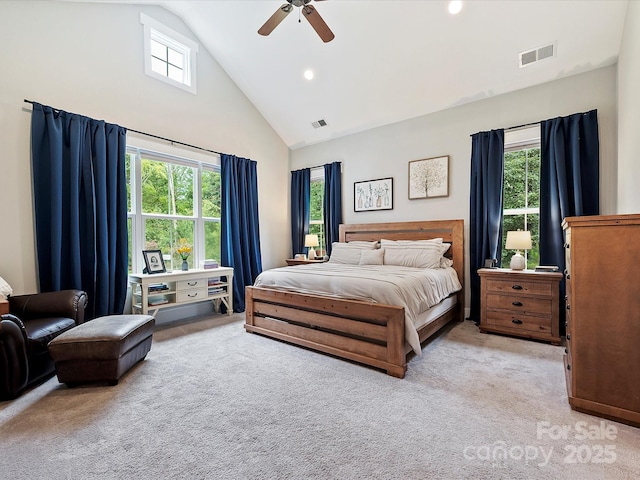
(318, 23)
(275, 19)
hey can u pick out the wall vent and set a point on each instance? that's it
(532, 56)
(319, 123)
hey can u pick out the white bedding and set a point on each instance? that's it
(415, 289)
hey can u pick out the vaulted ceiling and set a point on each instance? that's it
(397, 59)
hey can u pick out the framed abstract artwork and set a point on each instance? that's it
(429, 177)
(373, 195)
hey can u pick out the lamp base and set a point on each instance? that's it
(312, 254)
(517, 262)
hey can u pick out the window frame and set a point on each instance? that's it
(138, 218)
(517, 140)
(317, 175)
(154, 30)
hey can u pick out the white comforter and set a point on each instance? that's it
(415, 289)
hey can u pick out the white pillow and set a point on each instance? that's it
(349, 253)
(423, 255)
(372, 257)
(410, 242)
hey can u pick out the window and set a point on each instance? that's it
(169, 56)
(316, 216)
(170, 199)
(521, 191)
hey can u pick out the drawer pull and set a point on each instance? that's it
(566, 324)
(517, 321)
(568, 336)
(568, 307)
(192, 284)
(192, 295)
(568, 367)
(516, 304)
(566, 351)
(516, 287)
(567, 274)
(566, 245)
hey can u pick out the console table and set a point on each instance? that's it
(152, 292)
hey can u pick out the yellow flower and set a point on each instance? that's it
(184, 250)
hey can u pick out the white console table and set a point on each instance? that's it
(152, 292)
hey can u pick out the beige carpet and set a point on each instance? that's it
(213, 402)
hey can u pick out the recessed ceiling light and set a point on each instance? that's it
(308, 74)
(455, 6)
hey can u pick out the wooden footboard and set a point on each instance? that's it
(368, 333)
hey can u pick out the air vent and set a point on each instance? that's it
(532, 56)
(319, 123)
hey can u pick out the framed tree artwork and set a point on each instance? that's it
(429, 178)
(373, 195)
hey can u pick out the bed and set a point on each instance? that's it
(367, 332)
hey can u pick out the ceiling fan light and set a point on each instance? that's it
(455, 6)
(308, 74)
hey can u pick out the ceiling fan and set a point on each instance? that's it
(310, 13)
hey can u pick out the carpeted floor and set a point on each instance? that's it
(213, 402)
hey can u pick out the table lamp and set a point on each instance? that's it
(518, 240)
(311, 241)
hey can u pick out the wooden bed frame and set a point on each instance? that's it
(365, 332)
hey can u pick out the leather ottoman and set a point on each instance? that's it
(102, 349)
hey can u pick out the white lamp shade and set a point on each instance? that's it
(311, 240)
(518, 240)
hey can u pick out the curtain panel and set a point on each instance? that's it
(485, 229)
(300, 208)
(569, 182)
(240, 232)
(80, 200)
(332, 203)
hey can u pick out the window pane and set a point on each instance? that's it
(159, 66)
(130, 245)
(167, 188)
(316, 200)
(212, 240)
(158, 50)
(318, 229)
(127, 166)
(176, 58)
(175, 74)
(211, 194)
(514, 179)
(165, 235)
(529, 222)
(533, 177)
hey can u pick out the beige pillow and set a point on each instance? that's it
(349, 253)
(423, 255)
(372, 257)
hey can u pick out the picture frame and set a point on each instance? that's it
(153, 261)
(429, 177)
(373, 195)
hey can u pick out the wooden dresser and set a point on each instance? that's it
(522, 303)
(602, 360)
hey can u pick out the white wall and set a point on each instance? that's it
(386, 151)
(88, 59)
(629, 113)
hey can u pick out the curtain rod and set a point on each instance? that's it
(151, 135)
(534, 123)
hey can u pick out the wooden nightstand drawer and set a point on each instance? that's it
(521, 303)
(519, 286)
(527, 323)
(191, 284)
(192, 295)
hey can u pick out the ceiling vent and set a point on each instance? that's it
(319, 123)
(532, 56)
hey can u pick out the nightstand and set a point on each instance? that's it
(522, 303)
(297, 261)
(4, 307)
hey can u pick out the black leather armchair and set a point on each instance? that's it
(33, 321)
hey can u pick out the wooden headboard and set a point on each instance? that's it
(451, 231)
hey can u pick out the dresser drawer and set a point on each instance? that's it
(518, 286)
(516, 323)
(521, 303)
(191, 284)
(191, 295)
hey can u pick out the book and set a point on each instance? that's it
(547, 268)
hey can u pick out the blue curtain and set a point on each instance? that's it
(300, 209)
(487, 172)
(240, 243)
(332, 203)
(569, 181)
(80, 199)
